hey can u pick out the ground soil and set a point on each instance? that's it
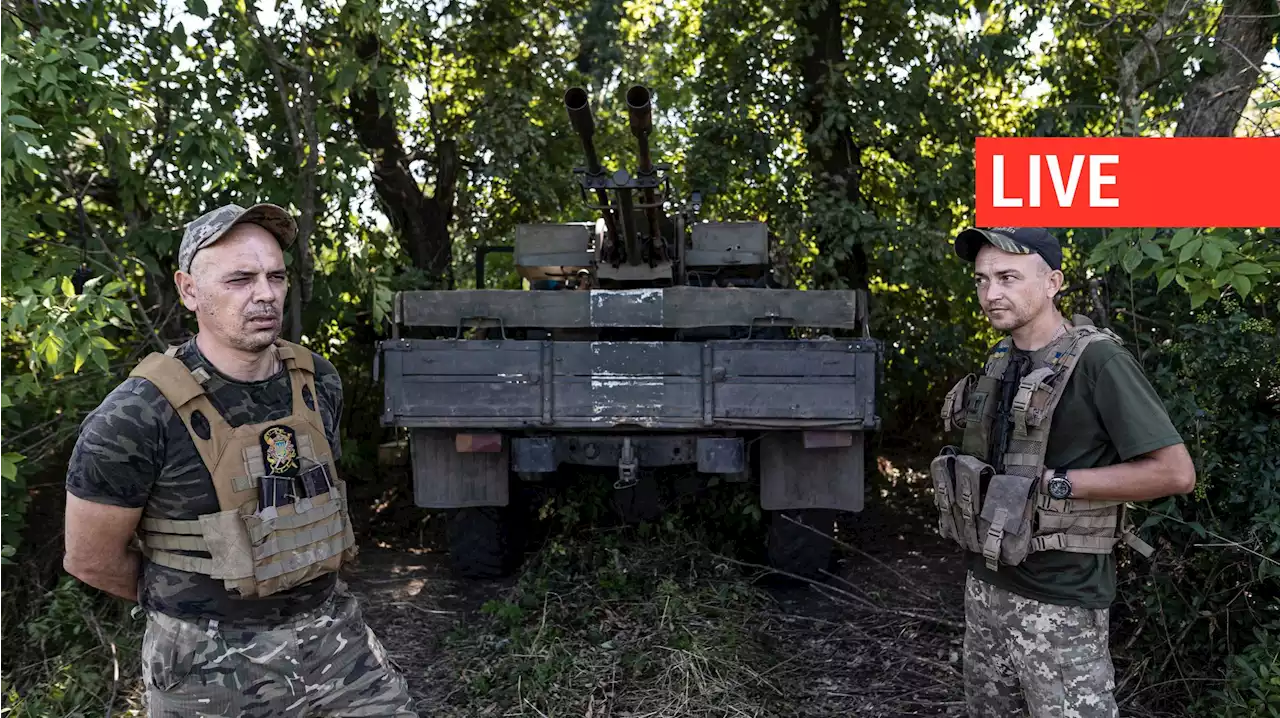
(879, 637)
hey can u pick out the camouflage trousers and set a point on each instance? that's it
(1024, 657)
(325, 662)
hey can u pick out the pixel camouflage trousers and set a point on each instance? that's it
(325, 662)
(1024, 657)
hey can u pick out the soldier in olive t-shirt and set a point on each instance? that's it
(1037, 626)
(1108, 414)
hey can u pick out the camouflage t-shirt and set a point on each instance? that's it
(134, 451)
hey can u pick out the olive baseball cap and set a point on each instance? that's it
(210, 227)
(1016, 240)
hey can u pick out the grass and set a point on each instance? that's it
(606, 623)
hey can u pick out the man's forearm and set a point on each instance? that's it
(118, 578)
(1142, 479)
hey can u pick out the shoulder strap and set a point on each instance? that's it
(302, 373)
(998, 358)
(170, 376)
(179, 386)
(296, 356)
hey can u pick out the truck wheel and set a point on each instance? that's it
(799, 550)
(479, 542)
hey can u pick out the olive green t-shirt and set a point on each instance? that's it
(1108, 414)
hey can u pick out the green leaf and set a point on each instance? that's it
(1200, 296)
(9, 466)
(1249, 268)
(87, 60)
(1146, 233)
(100, 359)
(82, 353)
(1166, 276)
(1223, 278)
(68, 288)
(105, 343)
(1181, 237)
(1132, 259)
(1189, 250)
(198, 8)
(1212, 255)
(23, 121)
(1151, 249)
(1242, 284)
(18, 316)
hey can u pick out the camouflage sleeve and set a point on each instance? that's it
(120, 450)
(329, 387)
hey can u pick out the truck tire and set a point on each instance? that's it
(480, 542)
(798, 550)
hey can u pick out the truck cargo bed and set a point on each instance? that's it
(515, 384)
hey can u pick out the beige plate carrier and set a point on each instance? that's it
(256, 553)
(1007, 516)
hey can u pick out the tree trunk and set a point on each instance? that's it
(835, 161)
(1221, 89)
(421, 221)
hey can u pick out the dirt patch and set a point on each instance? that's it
(879, 637)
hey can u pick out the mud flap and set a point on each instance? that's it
(445, 478)
(793, 477)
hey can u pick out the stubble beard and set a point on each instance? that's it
(240, 335)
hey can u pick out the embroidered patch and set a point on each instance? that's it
(280, 450)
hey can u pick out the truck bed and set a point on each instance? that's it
(676, 385)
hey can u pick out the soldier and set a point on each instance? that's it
(1059, 430)
(205, 488)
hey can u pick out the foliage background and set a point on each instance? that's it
(405, 134)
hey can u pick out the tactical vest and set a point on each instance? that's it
(1006, 516)
(284, 519)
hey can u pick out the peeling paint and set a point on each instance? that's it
(626, 307)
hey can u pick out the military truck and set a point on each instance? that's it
(650, 343)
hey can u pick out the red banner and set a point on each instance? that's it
(1128, 182)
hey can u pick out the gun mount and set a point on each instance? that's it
(633, 249)
(647, 347)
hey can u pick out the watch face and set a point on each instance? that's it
(1059, 488)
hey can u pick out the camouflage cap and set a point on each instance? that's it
(1015, 240)
(210, 227)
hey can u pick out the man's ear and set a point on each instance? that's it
(186, 285)
(1056, 280)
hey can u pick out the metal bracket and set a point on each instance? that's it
(626, 466)
(772, 320)
(502, 327)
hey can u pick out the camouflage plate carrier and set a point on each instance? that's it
(1007, 516)
(284, 518)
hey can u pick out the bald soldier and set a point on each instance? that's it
(1060, 429)
(205, 487)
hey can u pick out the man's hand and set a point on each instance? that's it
(1163, 472)
(97, 546)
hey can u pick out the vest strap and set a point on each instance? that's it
(180, 562)
(318, 552)
(260, 530)
(1073, 542)
(171, 526)
(314, 533)
(169, 542)
(995, 535)
(1131, 540)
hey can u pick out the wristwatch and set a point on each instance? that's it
(1059, 485)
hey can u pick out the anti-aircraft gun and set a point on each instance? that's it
(657, 349)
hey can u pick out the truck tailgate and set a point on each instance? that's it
(510, 384)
